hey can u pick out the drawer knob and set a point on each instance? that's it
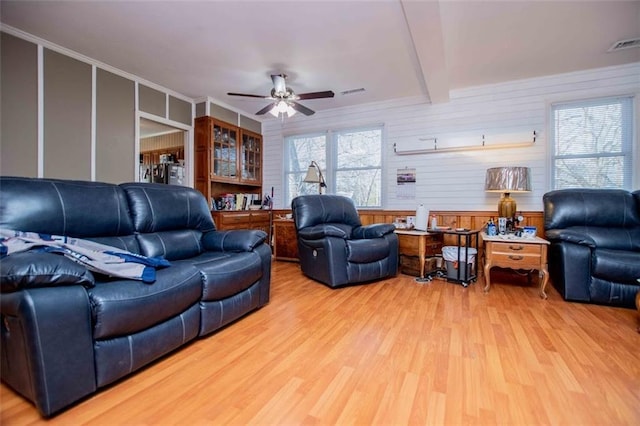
(516, 248)
(516, 257)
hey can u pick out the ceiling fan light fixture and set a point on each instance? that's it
(282, 107)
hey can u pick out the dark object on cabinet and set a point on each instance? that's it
(69, 332)
(595, 244)
(333, 246)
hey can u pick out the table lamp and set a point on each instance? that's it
(507, 180)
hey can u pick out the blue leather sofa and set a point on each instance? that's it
(66, 332)
(595, 244)
(335, 248)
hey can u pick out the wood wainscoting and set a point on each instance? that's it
(454, 219)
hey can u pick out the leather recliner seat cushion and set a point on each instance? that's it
(367, 251)
(122, 307)
(226, 274)
(616, 265)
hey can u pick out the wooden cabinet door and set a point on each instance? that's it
(250, 158)
(224, 153)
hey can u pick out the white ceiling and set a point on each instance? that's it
(393, 48)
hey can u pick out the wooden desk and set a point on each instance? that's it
(516, 253)
(422, 244)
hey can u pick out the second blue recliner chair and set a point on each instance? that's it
(335, 248)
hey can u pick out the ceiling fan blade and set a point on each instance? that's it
(266, 109)
(301, 108)
(249, 96)
(316, 95)
(279, 84)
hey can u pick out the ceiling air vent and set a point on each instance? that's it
(624, 44)
(349, 92)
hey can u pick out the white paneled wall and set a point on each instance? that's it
(455, 180)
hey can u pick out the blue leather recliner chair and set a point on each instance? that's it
(335, 248)
(595, 244)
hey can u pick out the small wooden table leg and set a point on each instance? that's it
(544, 275)
(487, 276)
(638, 304)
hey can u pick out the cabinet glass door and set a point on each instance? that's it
(224, 152)
(251, 158)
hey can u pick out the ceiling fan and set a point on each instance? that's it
(284, 98)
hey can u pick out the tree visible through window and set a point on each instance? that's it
(592, 143)
(351, 161)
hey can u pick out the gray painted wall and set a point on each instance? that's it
(67, 117)
(152, 101)
(19, 122)
(180, 111)
(115, 124)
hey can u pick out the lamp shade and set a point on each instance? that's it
(312, 175)
(508, 179)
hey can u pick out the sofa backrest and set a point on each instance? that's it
(169, 220)
(79, 209)
(311, 210)
(612, 208)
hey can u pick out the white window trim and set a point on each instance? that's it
(331, 158)
(635, 140)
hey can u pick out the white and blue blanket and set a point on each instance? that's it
(100, 258)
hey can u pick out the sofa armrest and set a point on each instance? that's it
(570, 236)
(47, 345)
(233, 240)
(20, 271)
(324, 230)
(376, 230)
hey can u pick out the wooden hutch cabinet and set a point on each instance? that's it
(228, 160)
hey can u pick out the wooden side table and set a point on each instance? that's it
(419, 243)
(516, 253)
(285, 242)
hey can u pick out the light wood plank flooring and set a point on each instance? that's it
(393, 352)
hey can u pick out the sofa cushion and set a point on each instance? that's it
(34, 269)
(172, 245)
(159, 207)
(310, 210)
(366, 251)
(616, 265)
(121, 307)
(225, 274)
(590, 207)
(63, 207)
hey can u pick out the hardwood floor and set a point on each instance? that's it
(393, 352)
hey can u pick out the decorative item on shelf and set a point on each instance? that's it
(421, 218)
(507, 180)
(314, 175)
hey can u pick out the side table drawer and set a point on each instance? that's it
(516, 261)
(234, 219)
(516, 248)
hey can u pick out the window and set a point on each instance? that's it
(592, 143)
(351, 161)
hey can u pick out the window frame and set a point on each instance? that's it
(331, 161)
(628, 149)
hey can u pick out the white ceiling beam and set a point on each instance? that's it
(425, 27)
